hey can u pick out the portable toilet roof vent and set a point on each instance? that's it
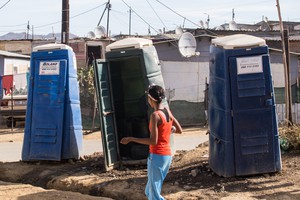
(238, 41)
(48, 47)
(129, 43)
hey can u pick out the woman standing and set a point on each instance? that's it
(160, 157)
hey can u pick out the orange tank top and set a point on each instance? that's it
(163, 142)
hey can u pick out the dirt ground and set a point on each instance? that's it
(190, 177)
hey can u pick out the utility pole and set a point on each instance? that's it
(32, 32)
(108, 6)
(287, 58)
(288, 102)
(207, 21)
(130, 11)
(65, 22)
(27, 32)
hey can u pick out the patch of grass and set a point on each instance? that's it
(290, 137)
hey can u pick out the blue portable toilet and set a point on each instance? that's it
(53, 127)
(243, 126)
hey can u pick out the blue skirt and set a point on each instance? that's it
(158, 167)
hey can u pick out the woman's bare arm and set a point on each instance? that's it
(152, 140)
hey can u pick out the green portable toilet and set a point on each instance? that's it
(131, 65)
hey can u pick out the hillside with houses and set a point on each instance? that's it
(188, 94)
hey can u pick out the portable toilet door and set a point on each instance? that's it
(107, 115)
(254, 120)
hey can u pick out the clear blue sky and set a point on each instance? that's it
(45, 15)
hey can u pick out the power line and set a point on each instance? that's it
(14, 25)
(5, 4)
(140, 17)
(52, 23)
(177, 13)
(88, 11)
(14, 30)
(72, 16)
(49, 24)
(118, 19)
(156, 13)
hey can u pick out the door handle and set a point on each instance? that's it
(268, 102)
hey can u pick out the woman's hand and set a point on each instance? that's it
(125, 140)
(147, 141)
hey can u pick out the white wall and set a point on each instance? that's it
(277, 69)
(22, 65)
(187, 78)
(277, 72)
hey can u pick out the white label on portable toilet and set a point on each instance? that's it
(49, 68)
(249, 65)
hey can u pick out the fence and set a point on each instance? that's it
(280, 110)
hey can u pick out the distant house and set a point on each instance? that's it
(84, 48)
(88, 49)
(13, 63)
(277, 68)
(85, 51)
(13, 68)
(275, 26)
(187, 78)
(264, 25)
